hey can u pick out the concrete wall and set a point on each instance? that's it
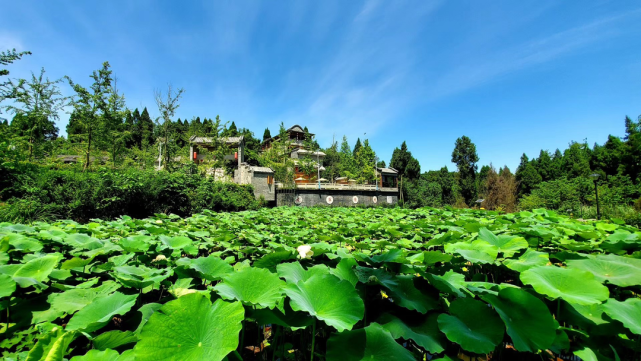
(341, 198)
(261, 188)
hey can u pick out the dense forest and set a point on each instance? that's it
(116, 152)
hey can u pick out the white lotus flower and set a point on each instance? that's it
(305, 251)
(159, 258)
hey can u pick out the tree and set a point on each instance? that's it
(364, 160)
(544, 166)
(632, 151)
(499, 190)
(465, 158)
(114, 131)
(145, 129)
(381, 164)
(91, 105)
(357, 146)
(167, 107)
(266, 134)
(7, 57)
(576, 160)
(347, 163)
(38, 101)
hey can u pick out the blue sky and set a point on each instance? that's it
(514, 76)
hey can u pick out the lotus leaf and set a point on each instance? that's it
(98, 313)
(7, 286)
(212, 268)
(506, 244)
(572, 285)
(627, 312)
(252, 286)
(52, 346)
(621, 271)
(97, 355)
(527, 319)
(527, 260)
(113, 339)
(426, 333)
(472, 325)
(191, 329)
(475, 252)
(329, 299)
(370, 343)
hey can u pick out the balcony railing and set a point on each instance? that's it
(345, 187)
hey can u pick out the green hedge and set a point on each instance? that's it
(45, 194)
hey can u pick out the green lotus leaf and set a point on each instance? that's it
(527, 260)
(71, 301)
(527, 319)
(587, 314)
(98, 355)
(271, 260)
(212, 268)
(37, 269)
(627, 312)
(294, 272)
(252, 286)
(433, 257)
(113, 339)
(345, 270)
(586, 354)
(608, 227)
(146, 310)
(370, 343)
(329, 299)
(475, 252)
(52, 346)
(402, 290)
(98, 313)
(176, 242)
(451, 282)
(288, 318)
(23, 243)
(425, 332)
(561, 342)
(473, 325)
(7, 285)
(620, 271)
(506, 244)
(191, 329)
(572, 285)
(138, 243)
(83, 241)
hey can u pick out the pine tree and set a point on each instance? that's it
(146, 130)
(266, 134)
(75, 128)
(465, 158)
(357, 146)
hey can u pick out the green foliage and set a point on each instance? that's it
(47, 194)
(392, 284)
(465, 158)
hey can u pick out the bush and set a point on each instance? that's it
(107, 194)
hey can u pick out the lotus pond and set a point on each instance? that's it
(322, 283)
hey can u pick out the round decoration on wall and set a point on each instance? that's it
(298, 200)
(355, 199)
(329, 199)
(374, 199)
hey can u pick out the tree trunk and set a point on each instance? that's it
(88, 151)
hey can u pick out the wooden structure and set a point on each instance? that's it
(199, 147)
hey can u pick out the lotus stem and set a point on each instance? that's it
(313, 339)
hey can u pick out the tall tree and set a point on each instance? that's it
(145, 129)
(576, 160)
(465, 158)
(91, 105)
(115, 133)
(167, 105)
(38, 101)
(357, 146)
(7, 89)
(266, 134)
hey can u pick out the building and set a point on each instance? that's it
(309, 188)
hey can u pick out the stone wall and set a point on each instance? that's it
(340, 198)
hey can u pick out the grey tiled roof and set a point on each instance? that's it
(208, 140)
(261, 169)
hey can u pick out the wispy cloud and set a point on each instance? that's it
(480, 68)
